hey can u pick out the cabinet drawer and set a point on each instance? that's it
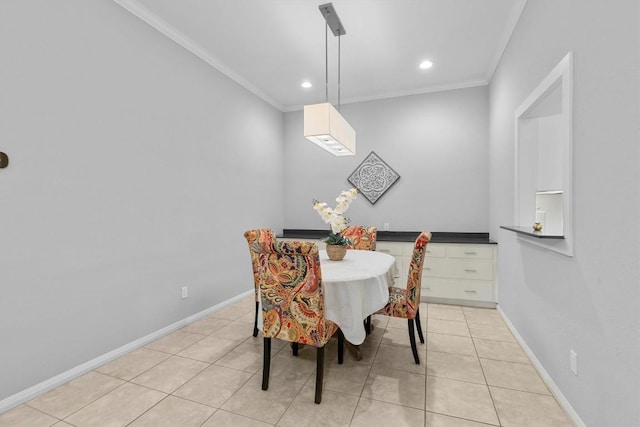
(434, 267)
(463, 290)
(470, 269)
(398, 269)
(469, 251)
(394, 249)
(435, 251)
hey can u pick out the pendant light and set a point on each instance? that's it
(323, 124)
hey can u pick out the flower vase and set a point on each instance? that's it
(336, 252)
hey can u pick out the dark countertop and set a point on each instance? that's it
(528, 231)
(398, 236)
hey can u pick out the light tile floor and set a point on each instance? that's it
(209, 374)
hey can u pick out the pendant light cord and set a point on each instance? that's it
(326, 62)
(339, 37)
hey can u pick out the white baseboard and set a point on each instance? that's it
(564, 403)
(453, 301)
(73, 373)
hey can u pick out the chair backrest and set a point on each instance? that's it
(258, 235)
(414, 278)
(362, 237)
(292, 293)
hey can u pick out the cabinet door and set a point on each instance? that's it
(394, 249)
(435, 267)
(435, 250)
(457, 289)
(470, 269)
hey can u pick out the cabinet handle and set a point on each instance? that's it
(470, 253)
(427, 268)
(428, 289)
(469, 270)
(470, 291)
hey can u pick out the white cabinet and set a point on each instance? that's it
(321, 245)
(458, 272)
(396, 249)
(461, 272)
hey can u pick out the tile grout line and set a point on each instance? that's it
(81, 408)
(234, 393)
(435, 376)
(148, 409)
(92, 402)
(482, 369)
(426, 361)
(100, 397)
(375, 351)
(42, 412)
(176, 354)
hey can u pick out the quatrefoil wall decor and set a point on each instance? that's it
(373, 177)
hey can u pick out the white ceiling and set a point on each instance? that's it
(272, 46)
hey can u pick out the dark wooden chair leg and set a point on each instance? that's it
(412, 339)
(319, 373)
(294, 348)
(340, 347)
(266, 363)
(367, 325)
(419, 327)
(255, 322)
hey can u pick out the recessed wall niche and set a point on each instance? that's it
(544, 162)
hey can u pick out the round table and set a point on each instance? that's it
(355, 288)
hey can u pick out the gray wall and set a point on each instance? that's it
(130, 165)
(591, 302)
(437, 142)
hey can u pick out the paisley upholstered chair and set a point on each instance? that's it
(293, 302)
(260, 235)
(362, 237)
(405, 303)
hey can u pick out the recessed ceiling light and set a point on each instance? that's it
(306, 85)
(426, 65)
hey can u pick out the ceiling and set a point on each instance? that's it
(272, 46)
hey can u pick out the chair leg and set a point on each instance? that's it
(340, 347)
(294, 347)
(319, 373)
(255, 322)
(412, 339)
(266, 363)
(419, 327)
(367, 325)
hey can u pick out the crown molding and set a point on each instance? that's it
(144, 14)
(184, 41)
(397, 94)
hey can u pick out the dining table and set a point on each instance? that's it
(354, 288)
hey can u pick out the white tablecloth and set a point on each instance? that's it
(354, 288)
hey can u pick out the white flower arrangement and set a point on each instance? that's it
(334, 217)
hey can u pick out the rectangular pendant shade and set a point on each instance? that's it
(325, 127)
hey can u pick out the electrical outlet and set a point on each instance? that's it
(185, 292)
(573, 362)
(386, 226)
